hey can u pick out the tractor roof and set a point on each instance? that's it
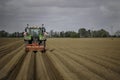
(34, 27)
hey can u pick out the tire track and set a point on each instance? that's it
(7, 58)
(53, 73)
(63, 69)
(102, 71)
(105, 58)
(105, 62)
(23, 73)
(114, 55)
(9, 49)
(12, 44)
(16, 69)
(81, 71)
(35, 63)
(46, 69)
(5, 42)
(11, 66)
(9, 44)
(41, 73)
(32, 68)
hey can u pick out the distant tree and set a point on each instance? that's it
(62, 34)
(100, 33)
(82, 32)
(89, 33)
(117, 34)
(94, 34)
(3, 33)
(56, 34)
(71, 34)
(67, 34)
(103, 33)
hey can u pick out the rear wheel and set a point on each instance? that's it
(44, 44)
(43, 51)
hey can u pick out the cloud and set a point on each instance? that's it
(59, 14)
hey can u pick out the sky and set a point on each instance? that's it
(60, 15)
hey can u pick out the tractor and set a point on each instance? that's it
(35, 39)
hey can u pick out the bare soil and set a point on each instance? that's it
(65, 59)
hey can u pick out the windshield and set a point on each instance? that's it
(35, 32)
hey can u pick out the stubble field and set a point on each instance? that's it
(65, 59)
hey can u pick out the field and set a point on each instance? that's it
(65, 59)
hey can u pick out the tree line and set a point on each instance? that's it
(3, 33)
(81, 33)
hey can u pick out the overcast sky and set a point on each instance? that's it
(60, 14)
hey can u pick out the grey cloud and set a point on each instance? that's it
(63, 3)
(59, 14)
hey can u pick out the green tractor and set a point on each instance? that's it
(35, 39)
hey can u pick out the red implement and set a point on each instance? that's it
(34, 47)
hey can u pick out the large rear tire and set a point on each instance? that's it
(44, 44)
